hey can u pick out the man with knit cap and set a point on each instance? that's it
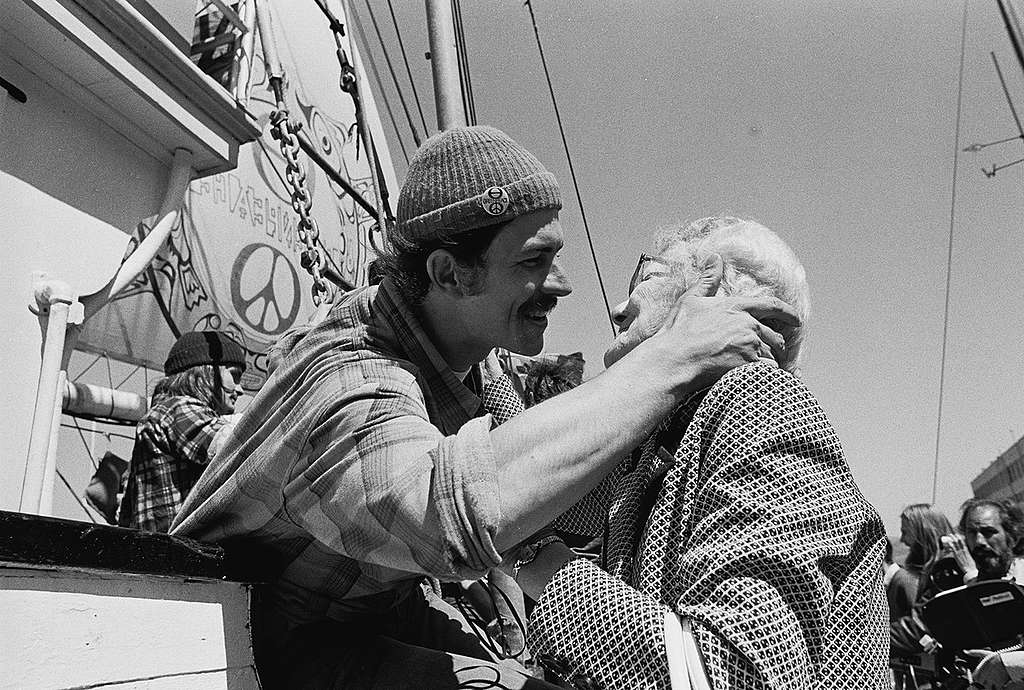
(388, 451)
(173, 441)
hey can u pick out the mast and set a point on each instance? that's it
(444, 64)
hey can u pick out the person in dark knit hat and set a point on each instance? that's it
(173, 441)
(388, 451)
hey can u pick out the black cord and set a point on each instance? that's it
(572, 171)
(405, 59)
(394, 78)
(515, 616)
(474, 621)
(949, 251)
(380, 85)
(468, 101)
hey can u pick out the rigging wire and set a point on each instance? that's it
(125, 379)
(572, 170)
(405, 59)
(88, 451)
(468, 101)
(391, 69)
(380, 85)
(949, 250)
(91, 365)
(1006, 92)
(111, 434)
(75, 496)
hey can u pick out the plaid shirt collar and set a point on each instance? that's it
(450, 402)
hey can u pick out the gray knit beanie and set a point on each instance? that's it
(468, 178)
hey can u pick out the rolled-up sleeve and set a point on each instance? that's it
(377, 482)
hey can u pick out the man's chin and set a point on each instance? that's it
(527, 345)
(991, 566)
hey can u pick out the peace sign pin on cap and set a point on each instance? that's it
(495, 201)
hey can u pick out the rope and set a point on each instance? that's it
(380, 85)
(572, 170)
(391, 69)
(949, 250)
(405, 59)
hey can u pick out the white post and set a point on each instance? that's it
(54, 300)
(50, 468)
(444, 63)
(242, 69)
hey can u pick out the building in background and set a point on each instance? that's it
(1004, 478)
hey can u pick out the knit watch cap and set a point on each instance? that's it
(204, 347)
(467, 178)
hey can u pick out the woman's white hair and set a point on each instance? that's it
(757, 264)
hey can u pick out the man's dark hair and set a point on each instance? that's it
(1010, 517)
(406, 263)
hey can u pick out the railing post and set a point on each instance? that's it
(53, 304)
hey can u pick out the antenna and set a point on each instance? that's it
(974, 148)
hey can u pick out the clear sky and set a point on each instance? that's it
(831, 122)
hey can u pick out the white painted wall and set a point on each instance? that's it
(70, 188)
(64, 629)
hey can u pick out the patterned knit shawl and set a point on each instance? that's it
(754, 529)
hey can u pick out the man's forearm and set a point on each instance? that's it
(554, 453)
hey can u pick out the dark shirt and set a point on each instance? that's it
(901, 591)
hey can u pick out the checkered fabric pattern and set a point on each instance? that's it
(755, 530)
(172, 444)
(363, 464)
(500, 399)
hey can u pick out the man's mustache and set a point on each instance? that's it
(545, 303)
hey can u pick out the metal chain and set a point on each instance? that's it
(284, 130)
(349, 84)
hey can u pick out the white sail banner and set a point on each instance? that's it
(232, 261)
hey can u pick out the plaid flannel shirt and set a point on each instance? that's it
(172, 444)
(363, 464)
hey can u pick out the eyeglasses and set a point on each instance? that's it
(640, 273)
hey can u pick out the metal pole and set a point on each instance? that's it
(444, 62)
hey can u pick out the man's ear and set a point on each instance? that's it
(441, 271)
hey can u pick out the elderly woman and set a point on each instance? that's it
(739, 551)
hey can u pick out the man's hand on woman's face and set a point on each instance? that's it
(708, 336)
